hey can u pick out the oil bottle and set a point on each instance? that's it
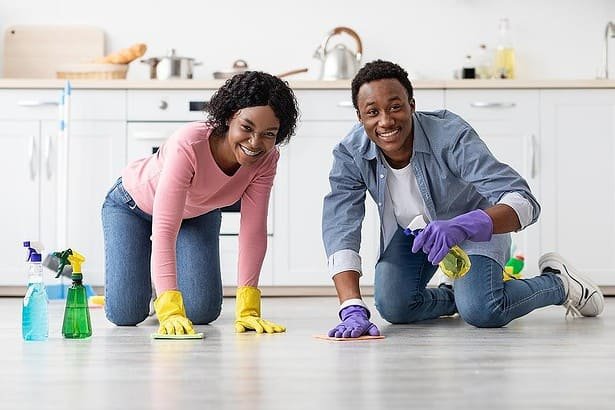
(505, 65)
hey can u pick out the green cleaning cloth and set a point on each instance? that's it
(161, 336)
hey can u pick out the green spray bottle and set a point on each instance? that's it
(77, 324)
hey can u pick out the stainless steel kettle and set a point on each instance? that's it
(339, 62)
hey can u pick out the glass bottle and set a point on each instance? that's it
(505, 65)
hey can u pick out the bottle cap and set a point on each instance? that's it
(34, 250)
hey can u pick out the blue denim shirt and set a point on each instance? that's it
(455, 172)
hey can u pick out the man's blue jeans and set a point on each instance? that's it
(128, 290)
(481, 297)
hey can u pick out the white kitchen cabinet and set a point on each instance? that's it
(30, 133)
(508, 122)
(577, 168)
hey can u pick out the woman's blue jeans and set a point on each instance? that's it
(128, 247)
(481, 297)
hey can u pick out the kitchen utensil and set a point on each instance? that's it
(239, 66)
(36, 51)
(171, 67)
(292, 72)
(339, 62)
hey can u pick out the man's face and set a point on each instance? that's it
(386, 114)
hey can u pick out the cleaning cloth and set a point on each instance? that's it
(184, 336)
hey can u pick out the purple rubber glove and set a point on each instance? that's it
(437, 239)
(355, 323)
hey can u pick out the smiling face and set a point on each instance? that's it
(386, 114)
(252, 133)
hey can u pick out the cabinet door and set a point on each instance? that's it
(301, 184)
(508, 122)
(578, 172)
(19, 208)
(96, 158)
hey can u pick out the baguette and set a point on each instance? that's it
(124, 56)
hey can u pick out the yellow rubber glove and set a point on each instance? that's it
(248, 312)
(171, 314)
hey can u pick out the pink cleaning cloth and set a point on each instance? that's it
(348, 339)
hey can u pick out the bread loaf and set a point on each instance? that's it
(125, 55)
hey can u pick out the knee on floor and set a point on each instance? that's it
(125, 317)
(481, 315)
(202, 315)
(396, 312)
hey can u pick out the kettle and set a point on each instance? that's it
(339, 62)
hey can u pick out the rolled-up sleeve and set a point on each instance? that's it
(343, 213)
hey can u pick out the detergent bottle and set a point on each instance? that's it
(76, 324)
(34, 316)
(456, 262)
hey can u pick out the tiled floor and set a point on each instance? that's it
(542, 361)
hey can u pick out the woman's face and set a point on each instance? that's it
(386, 114)
(252, 133)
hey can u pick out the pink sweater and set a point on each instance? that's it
(183, 181)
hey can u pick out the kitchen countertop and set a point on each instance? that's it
(8, 83)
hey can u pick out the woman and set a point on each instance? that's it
(165, 209)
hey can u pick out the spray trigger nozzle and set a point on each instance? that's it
(415, 226)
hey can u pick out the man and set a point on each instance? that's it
(432, 164)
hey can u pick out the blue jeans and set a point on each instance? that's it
(128, 289)
(481, 297)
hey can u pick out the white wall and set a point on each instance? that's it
(554, 39)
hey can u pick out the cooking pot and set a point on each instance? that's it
(239, 66)
(339, 62)
(171, 67)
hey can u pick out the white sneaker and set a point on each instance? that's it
(584, 297)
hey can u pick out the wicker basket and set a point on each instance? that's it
(92, 71)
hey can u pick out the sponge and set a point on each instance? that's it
(185, 336)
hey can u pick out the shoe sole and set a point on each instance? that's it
(557, 258)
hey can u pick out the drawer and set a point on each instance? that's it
(44, 104)
(167, 105)
(229, 251)
(493, 105)
(318, 105)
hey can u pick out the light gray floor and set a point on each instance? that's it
(542, 361)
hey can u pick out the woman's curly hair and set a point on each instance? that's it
(252, 89)
(379, 70)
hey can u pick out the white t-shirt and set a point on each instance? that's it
(404, 194)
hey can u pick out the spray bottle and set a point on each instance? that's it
(34, 317)
(456, 262)
(76, 324)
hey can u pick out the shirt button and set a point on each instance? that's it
(379, 203)
(381, 176)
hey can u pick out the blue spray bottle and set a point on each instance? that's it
(34, 319)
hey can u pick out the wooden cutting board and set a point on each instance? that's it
(35, 51)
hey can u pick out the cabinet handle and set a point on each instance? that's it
(32, 159)
(149, 136)
(485, 104)
(36, 103)
(163, 105)
(48, 158)
(533, 149)
(345, 104)
(198, 105)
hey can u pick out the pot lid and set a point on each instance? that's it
(239, 66)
